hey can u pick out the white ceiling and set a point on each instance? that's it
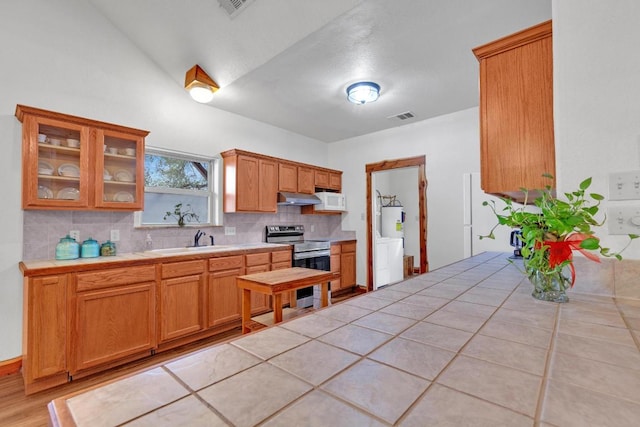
(288, 62)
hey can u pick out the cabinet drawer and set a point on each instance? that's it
(226, 263)
(257, 259)
(281, 256)
(114, 277)
(335, 249)
(349, 247)
(183, 268)
(281, 265)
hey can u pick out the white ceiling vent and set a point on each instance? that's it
(402, 116)
(234, 7)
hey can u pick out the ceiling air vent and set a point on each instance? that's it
(403, 116)
(234, 7)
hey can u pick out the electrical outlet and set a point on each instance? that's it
(313, 228)
(75, 234)
(229, 231)
(624, 185)
(624, 220)
(115, 235)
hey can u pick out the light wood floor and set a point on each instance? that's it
(16, 409)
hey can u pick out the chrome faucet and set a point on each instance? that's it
(196, 238)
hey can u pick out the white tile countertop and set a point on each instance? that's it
(463, 345)
(216, 250)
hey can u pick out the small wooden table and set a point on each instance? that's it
(277, 282)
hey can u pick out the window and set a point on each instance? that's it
(171, 178)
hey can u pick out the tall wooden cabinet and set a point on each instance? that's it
(516, 112)
(74, 163)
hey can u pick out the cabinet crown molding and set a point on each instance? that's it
(513, 41)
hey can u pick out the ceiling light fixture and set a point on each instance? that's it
(200, 86)
(363, 92)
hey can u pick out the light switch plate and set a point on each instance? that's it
(624, 220)
(624, 185)
(229, 231)
(115, 235)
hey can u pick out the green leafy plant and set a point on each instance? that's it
(555, 229)
(187, 215)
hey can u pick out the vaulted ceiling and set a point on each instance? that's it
(288, 62)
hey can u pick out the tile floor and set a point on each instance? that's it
(463, 345)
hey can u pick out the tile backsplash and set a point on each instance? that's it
(44, 229)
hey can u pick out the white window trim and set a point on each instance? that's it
(216, 188)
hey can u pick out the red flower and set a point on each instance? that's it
(562, 251)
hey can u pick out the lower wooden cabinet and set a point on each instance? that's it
(111, 324)
(44, 361)
(79, 323)
(113, 316)
(348, 265)
(334, 262)
(343, 261)
(182, 299)
(223, 294)
(258, 263)
(280, 260)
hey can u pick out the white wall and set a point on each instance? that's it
(62, 55)
(451, 146)
(597, 96)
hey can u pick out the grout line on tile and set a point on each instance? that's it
(547, 368)
(197, 396)
(634, 337)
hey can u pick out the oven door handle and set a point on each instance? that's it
(311, 254)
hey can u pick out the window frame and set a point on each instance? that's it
(215, 188)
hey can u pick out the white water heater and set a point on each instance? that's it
(392, 221)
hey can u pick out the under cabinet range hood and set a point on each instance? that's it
(297, 199)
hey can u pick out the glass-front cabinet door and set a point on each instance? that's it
(70, 162)
(119, 170)
(57, 171)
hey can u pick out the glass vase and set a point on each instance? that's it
(549, 286)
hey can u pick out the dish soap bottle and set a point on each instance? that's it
(148, 243)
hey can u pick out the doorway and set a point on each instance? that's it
(421, 186)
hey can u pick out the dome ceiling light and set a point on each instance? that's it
(363, 92)
(201, 87)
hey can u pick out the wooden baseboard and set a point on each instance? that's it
(11, 366)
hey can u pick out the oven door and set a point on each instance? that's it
(304, 296)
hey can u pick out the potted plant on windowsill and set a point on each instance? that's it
(187, 215)
(551, 234)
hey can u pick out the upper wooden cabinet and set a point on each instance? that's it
(74, 163)
(516, 112)
(250, 182)
(305, 180)
(328, 180)
(295, 179)
(287, 177)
